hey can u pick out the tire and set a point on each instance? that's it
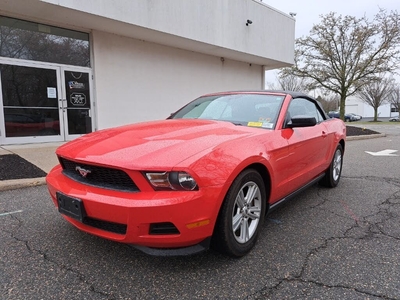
(240, 218)
(332, 175)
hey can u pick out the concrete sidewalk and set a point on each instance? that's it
(41, 155)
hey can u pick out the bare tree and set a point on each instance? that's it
(290, 82)
(394, 97)
(33, 45)
(342, 54)
(376, 93)
(330, 102)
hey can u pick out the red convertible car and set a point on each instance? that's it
(206, 176)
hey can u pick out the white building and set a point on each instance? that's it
(357, 106)
(70, 67)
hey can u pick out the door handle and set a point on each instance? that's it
(62, 104)
(324, 134)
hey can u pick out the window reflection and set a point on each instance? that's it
(30, 101)
(31, 122)
(33, 41)
(25, 86)
(79, 121)
(258, 110)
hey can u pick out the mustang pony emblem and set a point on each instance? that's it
(82, 171)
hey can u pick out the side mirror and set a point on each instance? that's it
(301, 121)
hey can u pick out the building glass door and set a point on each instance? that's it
(76, 103)
(30, 104)
(43, 103)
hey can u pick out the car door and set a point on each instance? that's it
(308, 146)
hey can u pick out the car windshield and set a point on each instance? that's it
(255, 110)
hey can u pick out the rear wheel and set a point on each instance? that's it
(241, 216)
(332, 175)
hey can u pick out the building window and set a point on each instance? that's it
(394, 108)
(33, 41)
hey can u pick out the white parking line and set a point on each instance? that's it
(387, 152)
(10, 213)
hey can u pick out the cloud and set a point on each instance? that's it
(309, 11)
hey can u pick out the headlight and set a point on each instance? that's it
(172, 180)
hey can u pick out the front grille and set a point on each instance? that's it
(97, 176)
(104, 225)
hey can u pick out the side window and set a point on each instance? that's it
(319, 117)
(314, 111)
(298, 107)
(304, 107)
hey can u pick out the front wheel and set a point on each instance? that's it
(332, 175)
(241, 215)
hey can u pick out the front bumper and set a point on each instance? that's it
(193, 213)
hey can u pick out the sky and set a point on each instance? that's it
(308, 13)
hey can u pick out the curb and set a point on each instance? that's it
(365, 137)
(14, 184)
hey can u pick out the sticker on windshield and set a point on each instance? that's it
(255, 124)
(267, 125)
(264, 120)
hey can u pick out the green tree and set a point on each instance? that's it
(342, 54)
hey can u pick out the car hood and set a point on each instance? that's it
(158, 145)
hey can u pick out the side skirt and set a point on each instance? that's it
(294, 194)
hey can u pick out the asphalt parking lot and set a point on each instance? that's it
(337, 243)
